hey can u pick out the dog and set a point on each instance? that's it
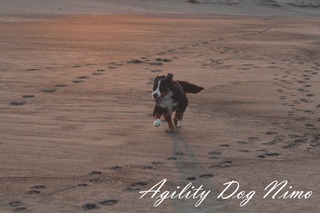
(170, 96)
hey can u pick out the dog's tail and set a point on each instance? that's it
(190, 88)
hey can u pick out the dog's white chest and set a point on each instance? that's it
(168, 103)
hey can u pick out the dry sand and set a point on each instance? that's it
(76, 124)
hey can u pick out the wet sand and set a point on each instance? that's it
(76, 111)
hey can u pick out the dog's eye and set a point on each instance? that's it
(154, 86)
(163, 87)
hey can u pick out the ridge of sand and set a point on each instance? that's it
(204, 7)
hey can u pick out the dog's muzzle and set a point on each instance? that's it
(157, 98)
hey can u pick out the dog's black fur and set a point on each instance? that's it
(170, 96)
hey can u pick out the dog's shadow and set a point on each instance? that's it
(181, 147)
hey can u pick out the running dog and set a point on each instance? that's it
(170, 96)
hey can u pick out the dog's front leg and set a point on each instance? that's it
(177, 117)
(157, 122)
(157, 112)
(167, 117)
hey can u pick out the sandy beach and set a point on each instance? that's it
(76, 106)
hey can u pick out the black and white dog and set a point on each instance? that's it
(170, 96)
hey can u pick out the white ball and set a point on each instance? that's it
(157, 123)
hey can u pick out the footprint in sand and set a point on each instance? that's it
(112, 67)
(16, 203)
(33, 192)
(163, 60)
(18, 103)
(223, 164)
(291, 113)
(49, 90)
(206, 176)
(309, 125)
(28, 96)
(156, 63)
(191, 178)
(109, 202)
(253, 139)
(20, 209)
(83, 77)
(60, 85)
(275, 140)
(97, 73)
(214, 154)
(271, 133)
(224, 145)
(179, 153)
(82, 185)
(283, 97)
(38, 187)
(116, 168)
(268, 154)
(315, 145)
(243, 142)
(77, 81)
(280, 90)
(89, 206)
(136, 186)
(96, 180)
(32, 69)
(134, 61)
(95, 173)
(148, 167)
(304, 100)
(157, 163)
(172, 158)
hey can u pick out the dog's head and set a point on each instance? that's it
(161, 87)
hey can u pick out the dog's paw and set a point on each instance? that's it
(157, 123)
(169, 130)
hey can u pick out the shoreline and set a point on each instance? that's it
(264, 8)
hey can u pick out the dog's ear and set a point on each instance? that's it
(159, 77)
(168, 80)
(169, 76)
